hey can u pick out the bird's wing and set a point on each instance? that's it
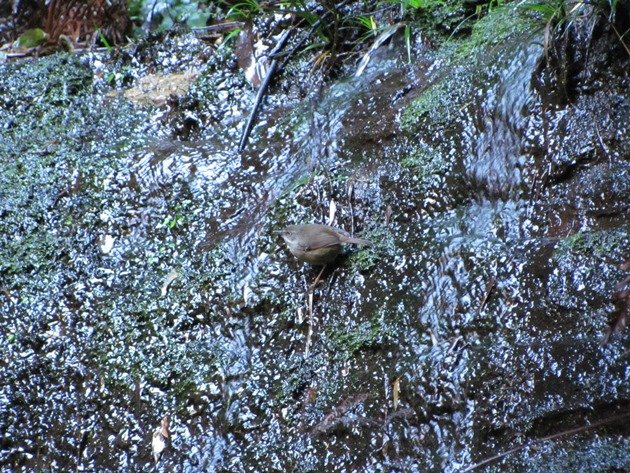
(323, 239)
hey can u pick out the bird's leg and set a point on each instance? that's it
(312, 286)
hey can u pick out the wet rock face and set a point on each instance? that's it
(141, 276)
(588, 159)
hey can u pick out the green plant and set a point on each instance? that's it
(104, 40)
(488, 7)
(561, 16)
(406, 5)
(366, 335)
(552, 11)
(554, 14)
(408, 42)
(369, 24)
(230, 36)
(189, 12)
(173, 221)
(32, 38)
(600, 243)
(244, 10)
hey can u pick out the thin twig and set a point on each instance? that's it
(220, 26)
(608, 420)
(489, 287)
(620, 39)
(263, 89)
(350, 196)
(309, 334)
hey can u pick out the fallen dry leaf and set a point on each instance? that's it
(161, 438)
(396, 391)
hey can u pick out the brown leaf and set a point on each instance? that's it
(396, 391)
(388, 214)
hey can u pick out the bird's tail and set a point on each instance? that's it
(356, 241)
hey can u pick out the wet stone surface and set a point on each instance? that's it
(141, 275)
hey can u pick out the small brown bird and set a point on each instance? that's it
(317, 244)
